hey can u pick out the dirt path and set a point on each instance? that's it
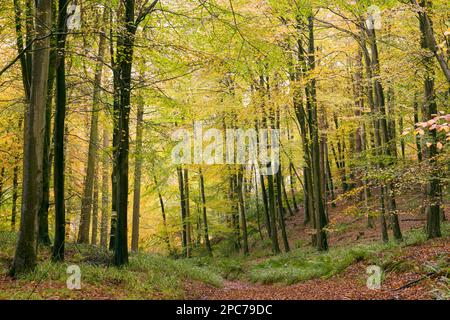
(349, 285)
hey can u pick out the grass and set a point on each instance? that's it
(303, 264)
(146, 277)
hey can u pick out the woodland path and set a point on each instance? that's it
(349, 285)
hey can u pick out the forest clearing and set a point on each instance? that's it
(224, 150)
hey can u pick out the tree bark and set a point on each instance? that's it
(137, 178)
(25, 255)
(433, 210)
(205, 218)
(60, 115)
(105, 191)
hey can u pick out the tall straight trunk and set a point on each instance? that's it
(188, 213)
(264, 193)
(243, 218)
(95, 209)
(115, 138)
(105, 191)
(137, 179)
(86, 201)
(26, 81)
(272, 214)
(124, 57)
(60, 116)
(25, 254)
(319, 209)
(402, 140)
(416, 120)
(433, 189)
(183, 211)
(14, 197)
(281, 210)
(205, 218)
(44, 238)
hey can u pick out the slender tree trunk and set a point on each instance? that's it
(137, 179)
(94, 231)
(60, 115)
(205, 220)
(188, 213)
(416, 120)
(105, 191)
(243, 220)
(272, 215)
(264, 193)
(183, 211)
(281, 210)
(14, 197)
(44, 238)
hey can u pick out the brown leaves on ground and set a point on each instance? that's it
(349, 285)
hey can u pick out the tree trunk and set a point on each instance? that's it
(137, 179)
(14, 197)
(320, 215)
(105, 191)
(205, 220)
(183, 211)
(426, 27)
(86, 201)
(243, 220)
(44, 238)
(188, 213)
(60, 115)
(430, 108)
(95, 209)
(25, 255)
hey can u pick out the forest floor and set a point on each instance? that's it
(413, 269)
(408, 283)
(418, 269)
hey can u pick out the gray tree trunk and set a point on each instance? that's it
(25, 255)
